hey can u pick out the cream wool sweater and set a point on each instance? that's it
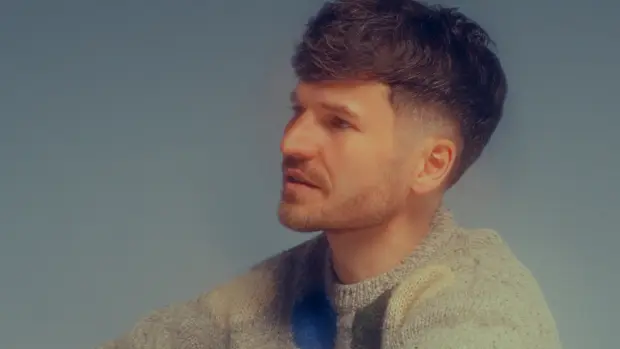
(460, 289)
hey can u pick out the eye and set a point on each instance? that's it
(339, 123)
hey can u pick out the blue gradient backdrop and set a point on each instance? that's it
(139, 158)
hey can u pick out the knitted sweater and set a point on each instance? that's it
(460, 289)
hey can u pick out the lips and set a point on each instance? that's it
(298, 177)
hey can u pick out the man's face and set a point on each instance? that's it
(343, 165)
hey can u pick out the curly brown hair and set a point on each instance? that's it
(430, 56)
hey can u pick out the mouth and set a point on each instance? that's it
(297, 177)
(294, 180)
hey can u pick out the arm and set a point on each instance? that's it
(188, 325)
(491, 323)
(470, 335)
(477, 304)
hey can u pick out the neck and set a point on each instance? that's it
(362, 254)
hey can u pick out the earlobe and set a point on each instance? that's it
(422, 178)
(435, 166)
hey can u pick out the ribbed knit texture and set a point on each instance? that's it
(460, 289)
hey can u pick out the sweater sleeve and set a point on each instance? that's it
(181, 326)
(496, 318)
(480, 297)
(470, 335)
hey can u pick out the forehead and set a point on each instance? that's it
(361, 98)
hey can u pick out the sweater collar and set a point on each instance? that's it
(352, 297)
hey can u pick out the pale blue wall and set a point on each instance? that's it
(139, 159)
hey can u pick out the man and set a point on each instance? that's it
(395, 101)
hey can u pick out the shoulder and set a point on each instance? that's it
(476, 282)
(172, 327)
(205, 320)
(253, 293)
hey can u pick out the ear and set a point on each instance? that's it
(434, 165)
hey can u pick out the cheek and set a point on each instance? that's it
(355, 161)
(359, 170)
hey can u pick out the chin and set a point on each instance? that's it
(295, 219)
(304, 230)
(299, 226)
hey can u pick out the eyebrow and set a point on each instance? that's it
(336, 108)
(340, 109)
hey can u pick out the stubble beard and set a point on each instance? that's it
(368, 207)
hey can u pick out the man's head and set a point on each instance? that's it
(395, 101)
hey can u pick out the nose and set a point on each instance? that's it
(300, 139)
